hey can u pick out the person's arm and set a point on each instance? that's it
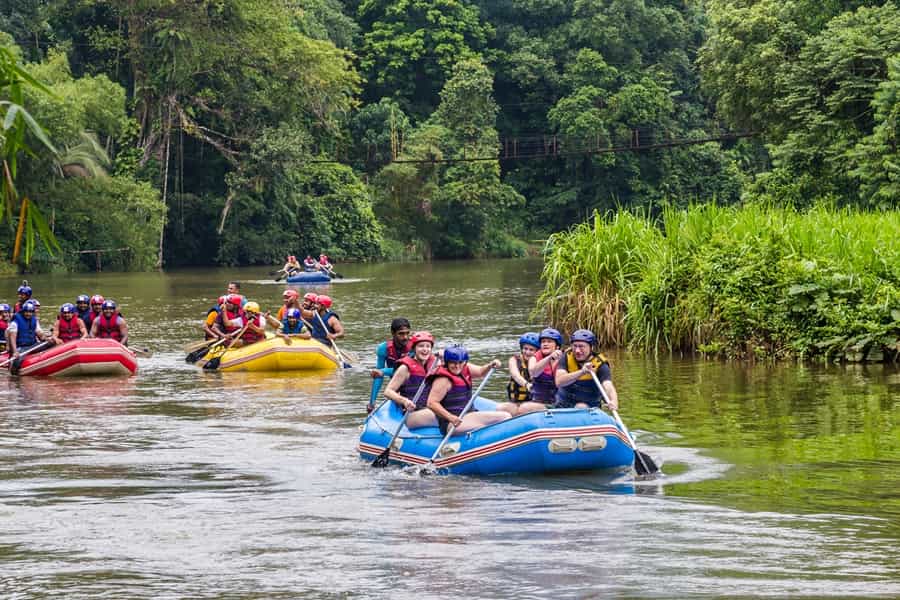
(54, 333)
(95, 327)
(123, 331)
(338, 328)
(273, 322)
(380, 369)
(82, 330)
(564, 379)
(392, 393)
(11, 340)
(515, 374)
(604, 374)
(535, 366)
(480, 370)
(439, 389)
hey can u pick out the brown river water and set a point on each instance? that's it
(779, 480)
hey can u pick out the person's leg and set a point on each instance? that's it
(480, 419)
(421, 418)
(529, 407)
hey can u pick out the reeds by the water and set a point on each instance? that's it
(752, 281)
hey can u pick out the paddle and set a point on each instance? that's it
(383, 459)
(337, 350)
(213, 363)
(16, 360)
(141, 352)
(204, 350)
(197, 345)
(471, 401)
(643, 464)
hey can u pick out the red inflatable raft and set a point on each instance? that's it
(90, 356)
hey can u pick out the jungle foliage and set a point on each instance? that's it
(366, 128)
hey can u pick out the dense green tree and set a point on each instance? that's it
(409, 48)
(462, 207)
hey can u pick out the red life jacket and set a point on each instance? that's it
(460, 389)
(68, 329)
(3, 325)
(226, 314)
(109, 328)
(394, 354)
(417, 373)
(249, 336)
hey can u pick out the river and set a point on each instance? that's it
(779, 480)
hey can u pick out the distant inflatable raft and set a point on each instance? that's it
(539, 442)
(309, 277)
(273, 354)
(91, 356)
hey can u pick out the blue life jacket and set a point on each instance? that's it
(318, 331)
(27, 330)
(286, 327)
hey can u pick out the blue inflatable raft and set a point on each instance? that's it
(309, 277)
(539, 442)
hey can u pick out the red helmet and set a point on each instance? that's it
(234, 299)
(421, 336)
(324, 301)
(292, 257)
(310, 296)
(290, 294)
(97, 299)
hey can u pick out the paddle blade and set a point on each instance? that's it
(213, 363)
(196, 355)
(643, 464)
(383, 459)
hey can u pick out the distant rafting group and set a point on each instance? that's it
(88, 336)
(240, 337)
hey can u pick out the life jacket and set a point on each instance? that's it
(249, 336)
(92, 316)
(460, 391)
(394, 354)
(417, 374)
(543, 386)
(286, 327)
(109, 328)
(68, 329)
(3, 325)
(318, 331)
(231, 316)
(514, 391)
(583, 389)
(18, 306)
(26, 335)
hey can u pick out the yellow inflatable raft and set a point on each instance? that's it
(273, 354)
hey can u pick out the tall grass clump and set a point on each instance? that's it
(745, 282)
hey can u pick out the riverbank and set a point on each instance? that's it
(751, 282)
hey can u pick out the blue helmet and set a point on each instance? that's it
(530, 338)
(583, 335)
(108, 304)
(293, 313)
(551, 334)
(83, 298)
(4, 307)
(25, 290)
(68, 307)
(456, 353)
(28, 306)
